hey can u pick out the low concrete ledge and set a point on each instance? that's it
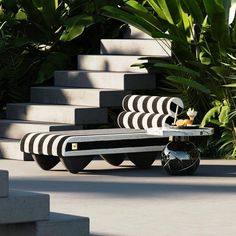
(4, 183)
(57, 225)
(21, 207)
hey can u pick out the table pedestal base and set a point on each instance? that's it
(180, 157)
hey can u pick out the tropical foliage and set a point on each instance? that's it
(202, 68)
(38, 37)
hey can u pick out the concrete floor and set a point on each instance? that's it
(131, 202)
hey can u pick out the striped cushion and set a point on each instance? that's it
(43, 143)
(152, 104)
(138, 120)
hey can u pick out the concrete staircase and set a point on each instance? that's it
(28, 214)
(82, 97)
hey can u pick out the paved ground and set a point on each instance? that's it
(131, 202)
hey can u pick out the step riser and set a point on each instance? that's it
(144, 47)
(4, 183)
(67, 226)
(16, 130)
(109, 80)
(22, 207)
(80, 97)
(10, 149)
(109, 63)
(57, 114)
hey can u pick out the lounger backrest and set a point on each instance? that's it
(143, 112)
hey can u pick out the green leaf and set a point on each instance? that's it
(210, 115)
(54, 61)
(134, 20)
(230, 85)
(179, 68)
(194, 10)
(189, 83)
(75, 26)
(224, 115)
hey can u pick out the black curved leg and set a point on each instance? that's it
(46, 162)
(77, 163)
(114, 159)
(142, 160)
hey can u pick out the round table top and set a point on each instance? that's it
(187, 131)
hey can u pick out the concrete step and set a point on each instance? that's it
(15, 129)
(78, 96)
(57, 225)
(21, 207)
(10, 149)
(150, 47)
(112, 63)
(4, 183)
(109, 80)
(132, 32)
(57, 113)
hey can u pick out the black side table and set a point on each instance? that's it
(180, 156)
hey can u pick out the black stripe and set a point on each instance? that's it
(173, 107)
(145, 102)
(120, 119)
(59, 146)
(125, 102)
(40, 145)
(154, 105)
(164, 105)
(170, 120)
(130, 120)
(50, 143)
(140, 121)
(149, 120)
(22, 142)
(135, 103)
(31, 143)
(92, 145)
(160, 119)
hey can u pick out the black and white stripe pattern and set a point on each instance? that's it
(152, 104)
(43, 143)
(138, 120)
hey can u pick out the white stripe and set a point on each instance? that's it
(140, 103)
(144, 121)
(27, 141)
(45, 144)
(125, 119)
(155, 120)
(160, 104)
(135, 120)
(131, 102)
(149, 104)
(36, 143)
(55, 144)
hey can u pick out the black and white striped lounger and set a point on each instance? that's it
(75, 149)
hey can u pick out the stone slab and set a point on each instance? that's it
(15, 129)
(10, 149)
(112, 63)
(21, 207)
(57, 113)
(4, 183)
(78, 96)
(145, 47)
(99, 79)
(57, 225)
